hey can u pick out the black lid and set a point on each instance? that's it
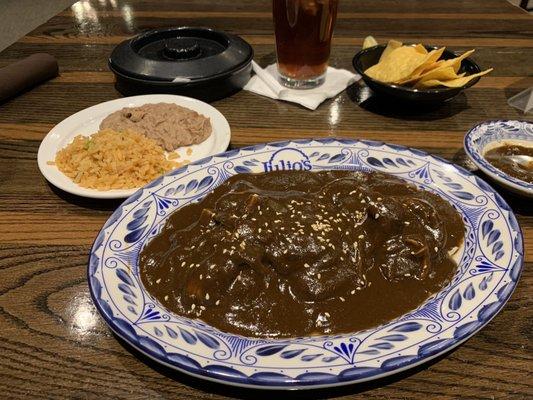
(182, 54)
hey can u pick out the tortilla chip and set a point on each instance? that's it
(442, 74)
(398, 64)
(421, 49)
(369, 42)
(456, 62)
(428, 65)
(392, 45)
(414, 65)
(457, 82)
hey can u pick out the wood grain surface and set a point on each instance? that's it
(53, 343)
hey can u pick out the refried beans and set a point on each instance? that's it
(170, 125)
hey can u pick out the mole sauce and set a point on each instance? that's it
(295, 253)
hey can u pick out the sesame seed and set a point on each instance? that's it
(342, 299)
(306, 265)
(361, 236)
(217, 302)
(436, 248)
(207, 296)
(327, 314)
(407, 223)
(183, 264)
(201, 276)
(352, 292)
(318, 276)
(193, 306)
(202, 308)
(166, 297)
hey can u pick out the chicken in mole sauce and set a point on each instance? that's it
(294, 253)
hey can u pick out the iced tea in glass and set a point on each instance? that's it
(303, 40)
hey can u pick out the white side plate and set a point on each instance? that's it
(86, 122)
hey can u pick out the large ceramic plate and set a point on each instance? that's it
(86, 122)
(489, 268)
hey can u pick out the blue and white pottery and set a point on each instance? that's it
(490, 134)
(490, 263)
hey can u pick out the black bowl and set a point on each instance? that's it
(370, 56)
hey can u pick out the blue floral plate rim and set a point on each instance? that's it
(287, 367)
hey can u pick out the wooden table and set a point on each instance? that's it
(53, 343)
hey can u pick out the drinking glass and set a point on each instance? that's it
(303, 31)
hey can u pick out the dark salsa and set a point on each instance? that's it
(502, 157)
(295, 253)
